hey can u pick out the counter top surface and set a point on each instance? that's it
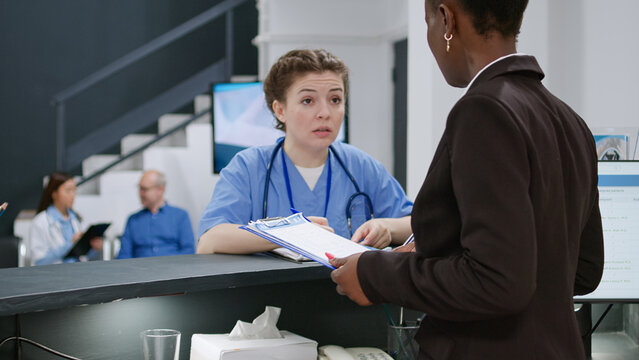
(58, 286)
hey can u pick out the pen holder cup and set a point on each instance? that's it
(161, 344)
(401, 342)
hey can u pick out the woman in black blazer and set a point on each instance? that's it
(507, 225)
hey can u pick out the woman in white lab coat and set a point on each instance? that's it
(56, 227)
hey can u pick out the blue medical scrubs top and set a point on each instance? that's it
(239, 193)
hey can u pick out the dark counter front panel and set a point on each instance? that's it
(193, 294)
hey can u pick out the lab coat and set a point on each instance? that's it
(46, 244)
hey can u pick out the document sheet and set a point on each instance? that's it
(301, 236)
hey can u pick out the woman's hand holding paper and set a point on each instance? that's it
(345, 276)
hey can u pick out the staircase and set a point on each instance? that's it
(185, 157)
(107, 191)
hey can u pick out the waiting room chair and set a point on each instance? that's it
(13, 252)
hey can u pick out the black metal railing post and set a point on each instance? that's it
(229, 44)
(60, 137)
(142, 147)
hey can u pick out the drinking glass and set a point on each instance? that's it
(161, 344)
(401, 342)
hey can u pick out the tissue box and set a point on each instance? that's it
(220, 347)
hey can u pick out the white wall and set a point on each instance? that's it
(587, 49)
(360, 32)
(429, 99)
(610, 71)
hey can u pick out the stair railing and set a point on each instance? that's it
(86, 146)
(142, 147)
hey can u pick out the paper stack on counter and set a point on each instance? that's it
(299, 235)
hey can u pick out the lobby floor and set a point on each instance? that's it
(614, 346)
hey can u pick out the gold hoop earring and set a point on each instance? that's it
(448, 38)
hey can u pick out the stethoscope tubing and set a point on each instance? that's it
(357, 193)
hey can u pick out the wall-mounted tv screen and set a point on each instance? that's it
(241, 119)
(619, 204)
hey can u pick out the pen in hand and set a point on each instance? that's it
(3, 207)
(293, 211)
(407, 246)
(410, 239)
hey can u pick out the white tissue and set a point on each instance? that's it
(263, 327)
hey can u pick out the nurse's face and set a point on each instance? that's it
(64, 196)
(313, 111)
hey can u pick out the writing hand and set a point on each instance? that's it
(410, 247)
(76, 237)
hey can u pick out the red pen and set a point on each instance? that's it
(329, 256)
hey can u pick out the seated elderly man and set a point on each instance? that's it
(158, 229)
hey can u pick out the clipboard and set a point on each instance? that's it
(286, 254)
(301, 236)
(83, 245)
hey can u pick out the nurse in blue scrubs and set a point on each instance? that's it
(334, 184)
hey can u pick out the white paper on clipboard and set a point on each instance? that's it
(301, 236)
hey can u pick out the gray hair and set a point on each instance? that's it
(160, 178)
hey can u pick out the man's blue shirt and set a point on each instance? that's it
(168, 232)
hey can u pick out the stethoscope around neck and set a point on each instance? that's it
(352, 198)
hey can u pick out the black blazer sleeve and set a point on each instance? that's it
(591, 253)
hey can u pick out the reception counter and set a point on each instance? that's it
(96, 310)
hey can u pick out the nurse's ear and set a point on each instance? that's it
(55, 195)
(279, 109)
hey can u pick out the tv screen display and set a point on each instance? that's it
(619, 204)
(241, 119)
